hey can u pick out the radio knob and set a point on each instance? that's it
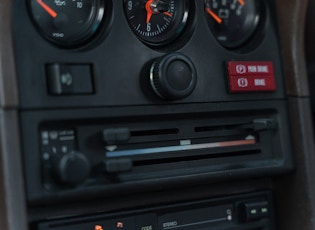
(72, 169)
(173, 76)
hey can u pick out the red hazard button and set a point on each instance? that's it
(251, 76)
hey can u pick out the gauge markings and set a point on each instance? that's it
(68, 23)
(152, 33)
(159, 29)
(232, 22)
(152, 30)
(156, 22)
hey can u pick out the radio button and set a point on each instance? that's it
(146, 222)
(65, 79)
(250, 211)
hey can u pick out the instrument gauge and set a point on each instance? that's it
(157, 22)
(67, 23)
(232, 22)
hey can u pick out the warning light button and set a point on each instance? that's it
(251, 76)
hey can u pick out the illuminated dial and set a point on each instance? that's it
(232, 22)
(67, 22)
(157, 22)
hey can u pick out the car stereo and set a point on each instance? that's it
(246, 212)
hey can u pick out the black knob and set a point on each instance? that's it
(72, 168)
(173, 76)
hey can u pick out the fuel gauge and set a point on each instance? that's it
(233, 22)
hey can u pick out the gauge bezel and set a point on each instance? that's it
(83, 36)
(248, 37)
(173, 32)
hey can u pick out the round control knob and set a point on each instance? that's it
(72, 168)
(173, 76)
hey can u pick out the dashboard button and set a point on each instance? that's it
(173, 76)
(113, 136)
(66, 79)
(255, 210)
(146, 222)
(251, 76)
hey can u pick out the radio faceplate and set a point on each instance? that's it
(246, 212)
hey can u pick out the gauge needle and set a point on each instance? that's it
(149, 10)
(168, 14)
(214, 15)
(241, 2)
(49, 10)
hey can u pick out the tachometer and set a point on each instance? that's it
(67, 22)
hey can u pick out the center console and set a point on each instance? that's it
(124, 97)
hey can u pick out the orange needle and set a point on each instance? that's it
(50, 11)
(242, 2)
(168, 14)
(149, 10)
(214, 15)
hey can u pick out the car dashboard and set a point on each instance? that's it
(155, 115)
